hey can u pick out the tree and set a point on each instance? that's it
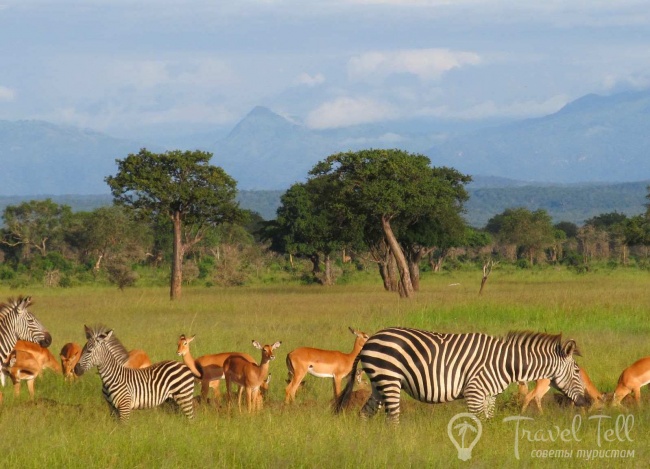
(181, 186)
(441, 229)
(107, 233)
(386, 190)
(37, 224)
(306, 226)
(529, 231)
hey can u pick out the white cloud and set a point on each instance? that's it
(7, 94)
(152, 73)
(345, 111)
(517, 109)
(426, 64)
(309, 80)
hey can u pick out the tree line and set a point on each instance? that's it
(390, 209)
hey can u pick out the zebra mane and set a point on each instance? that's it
(12, 304)
(528, 337)
(115, 347)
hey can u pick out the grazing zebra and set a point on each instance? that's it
(433, 368)
(17, 323)
(125, 388)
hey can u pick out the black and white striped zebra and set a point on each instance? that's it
(433, 368)
(18, 323)
(126, 389)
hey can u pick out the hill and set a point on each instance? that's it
(595, 138)
(575, 203)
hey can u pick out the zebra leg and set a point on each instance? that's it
(392, 402)
(185, 402)
(370, 408)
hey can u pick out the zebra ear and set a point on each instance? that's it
(107, 335)
(88, 331)
(571, 348)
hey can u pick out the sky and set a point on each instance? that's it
(136, 67)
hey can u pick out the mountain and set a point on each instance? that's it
(267, 151)
(42, 158)
(592, 139)
(595, 138)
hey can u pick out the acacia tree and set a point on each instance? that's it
(181, 186)
(385, 189)
(442, 228)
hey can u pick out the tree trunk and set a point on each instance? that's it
(328, 271)
(406, 286)
(177, 259)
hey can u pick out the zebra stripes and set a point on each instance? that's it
(433, 367)
(17, 323)
(126, 389)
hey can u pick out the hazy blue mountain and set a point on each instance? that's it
(592, 139)
(595, 138)
(267, 151)
(42, 158)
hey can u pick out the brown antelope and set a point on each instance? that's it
(249, 376)
(208, 369)
(26, 362)
(632, 379)
(70, 354)
(321, 363)
(543, 385)
(137, 359)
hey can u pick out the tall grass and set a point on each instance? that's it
(68, 425)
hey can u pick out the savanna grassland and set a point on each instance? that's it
(69, 425)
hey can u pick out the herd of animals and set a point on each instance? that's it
(430, 367)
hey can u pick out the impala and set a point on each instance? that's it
(321, 363)
(137, 359)
(543, 385)
(26, 362)
(208, 369)
(249, 376)
(631, 380)
(70, 354)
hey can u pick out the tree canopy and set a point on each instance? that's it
(179, 185)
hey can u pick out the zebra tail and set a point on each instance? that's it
(343, 400)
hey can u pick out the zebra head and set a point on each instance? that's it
(98, 342)
(568, 378)
(16, 316)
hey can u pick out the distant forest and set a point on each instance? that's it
(574, 203)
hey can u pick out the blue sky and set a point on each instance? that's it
(131, 67)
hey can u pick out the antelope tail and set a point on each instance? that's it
(343, 400)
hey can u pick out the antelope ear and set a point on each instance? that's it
(257, 345)
(352, 330)
(89, 332)
(191, 339)
(276, 345)
(570, 348)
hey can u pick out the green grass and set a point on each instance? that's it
(69, 425)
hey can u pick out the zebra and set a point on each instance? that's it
(433, 367)
(18, 323)
(126, 389)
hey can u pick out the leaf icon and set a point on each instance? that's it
(462, 431)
